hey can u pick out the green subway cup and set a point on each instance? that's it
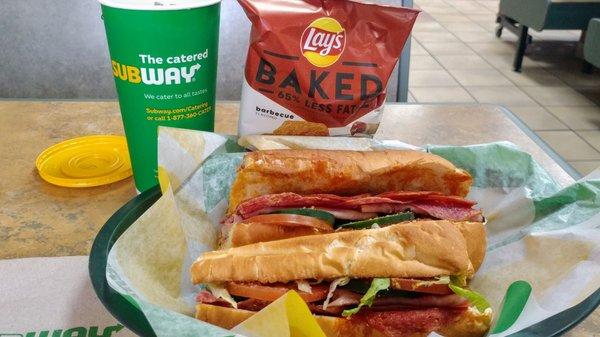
(164, 62)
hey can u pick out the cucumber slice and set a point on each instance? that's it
(315, 213)
(381, 221)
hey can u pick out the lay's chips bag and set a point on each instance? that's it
(319, 67)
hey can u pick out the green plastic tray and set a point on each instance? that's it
(131, 317)
(123, 310)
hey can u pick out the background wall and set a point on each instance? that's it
(57, 49)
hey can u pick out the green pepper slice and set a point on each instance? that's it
(381, 221)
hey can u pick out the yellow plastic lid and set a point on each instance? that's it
(85, 161)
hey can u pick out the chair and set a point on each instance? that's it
(520, 15)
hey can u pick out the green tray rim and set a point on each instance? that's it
(123, 310)
(132, 317)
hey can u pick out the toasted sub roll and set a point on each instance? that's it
(242, 234)
(475, 236)
(245, 233)
(418, 249)
(345, 173)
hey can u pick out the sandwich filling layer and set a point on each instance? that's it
(299, 215)
(393, 306)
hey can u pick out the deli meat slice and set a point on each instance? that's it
(343, 297)
(395, 197)
(435, 211)
(286, 200)
(207, 297)
(414, 196)
(400, 323)
(450, 213)
(364, 206)
(252, 304)
(447, 301)
(395, 323)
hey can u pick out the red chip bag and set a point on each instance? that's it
(319, 67)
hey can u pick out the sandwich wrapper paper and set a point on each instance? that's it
(52, 297)
(540, 234)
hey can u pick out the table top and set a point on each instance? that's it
(40, 219)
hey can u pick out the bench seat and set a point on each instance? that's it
(591, 47)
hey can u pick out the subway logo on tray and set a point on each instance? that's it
(92, 331)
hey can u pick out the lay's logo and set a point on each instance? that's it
(323, 41)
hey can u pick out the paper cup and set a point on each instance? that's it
(164, 61)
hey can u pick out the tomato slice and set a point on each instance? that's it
(413, 285)
(273, 291)
(290, 220)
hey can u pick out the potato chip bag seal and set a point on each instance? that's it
(319, 67)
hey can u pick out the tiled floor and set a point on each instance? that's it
(456, 57)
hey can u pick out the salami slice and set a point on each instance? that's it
(429, 204)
